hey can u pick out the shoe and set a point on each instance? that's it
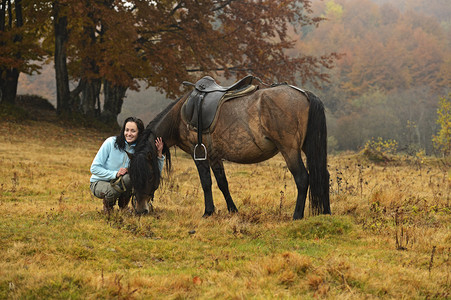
(108, 205)
(123, 200)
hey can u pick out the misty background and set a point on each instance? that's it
(395, 66)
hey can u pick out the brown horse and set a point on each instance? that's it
(248, 129)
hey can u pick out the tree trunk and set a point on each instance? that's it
(89, 98)
(91, 91)
(114, 98)
(10, 76)
(9, 86)
(61, 75)
(66, 101)
(2, 44)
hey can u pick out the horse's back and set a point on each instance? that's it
(284, 116)
(253, 128)
(283, 107)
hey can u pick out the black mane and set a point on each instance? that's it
(143, 168)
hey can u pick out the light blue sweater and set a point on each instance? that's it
(110, 159)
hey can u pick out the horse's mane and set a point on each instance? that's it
(140, 173)
(145, 152)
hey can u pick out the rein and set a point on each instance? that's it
(118, 184)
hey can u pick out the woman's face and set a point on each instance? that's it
(131, 132)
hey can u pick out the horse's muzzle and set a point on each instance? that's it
(143, 212)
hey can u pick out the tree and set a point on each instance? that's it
(92, 47)
(118, 43)
(402, 54)
(442, 141)
(20, 29)
(64, 98)
(184, 39)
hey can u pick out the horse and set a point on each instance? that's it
(248, 129)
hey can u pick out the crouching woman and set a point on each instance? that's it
(110, 180)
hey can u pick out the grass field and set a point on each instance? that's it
(389, 235)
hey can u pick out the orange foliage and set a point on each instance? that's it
(167, 42)
(385, 48)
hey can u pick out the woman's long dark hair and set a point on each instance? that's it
(120, 139)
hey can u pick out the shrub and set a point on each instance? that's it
(378, 150)
(442, 141)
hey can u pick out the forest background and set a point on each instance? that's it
(394, 66)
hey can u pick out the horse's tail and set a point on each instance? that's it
(315, 148)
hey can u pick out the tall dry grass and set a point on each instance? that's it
(388, 237)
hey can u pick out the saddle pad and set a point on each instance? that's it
(210, 107)
(208, 84)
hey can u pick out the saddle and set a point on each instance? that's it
(201, 108)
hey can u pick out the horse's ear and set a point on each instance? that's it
(130, 155)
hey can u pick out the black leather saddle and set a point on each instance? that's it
(202, 105)
(207, 96)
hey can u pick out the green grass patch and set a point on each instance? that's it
(321, 227)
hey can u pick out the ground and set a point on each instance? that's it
(388, 236)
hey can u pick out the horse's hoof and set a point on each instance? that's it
(207, 214)
(233, 210)
(298, 217)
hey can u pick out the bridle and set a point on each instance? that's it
(134, 202)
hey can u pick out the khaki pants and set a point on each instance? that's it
(110, 193)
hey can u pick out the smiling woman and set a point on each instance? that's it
(110, 180)
(131, 132)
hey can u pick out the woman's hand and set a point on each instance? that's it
(122, 171)
(159, 145)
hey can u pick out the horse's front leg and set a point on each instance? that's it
(203, 167)
(221, 179)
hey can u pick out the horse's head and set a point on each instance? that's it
(144, 174)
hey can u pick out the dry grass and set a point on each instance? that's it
(389, 235)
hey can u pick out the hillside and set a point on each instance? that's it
(389, 235)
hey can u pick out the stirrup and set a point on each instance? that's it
(201, 157)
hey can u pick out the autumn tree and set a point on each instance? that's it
(184, 39)
(20, 28)
(442, 141)
(87, 52)
(114, 44)
(120, 60)
(117, 43)
(66, 100)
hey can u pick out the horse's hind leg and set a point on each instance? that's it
(300, 174)
(221, 179)
(203, 167)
